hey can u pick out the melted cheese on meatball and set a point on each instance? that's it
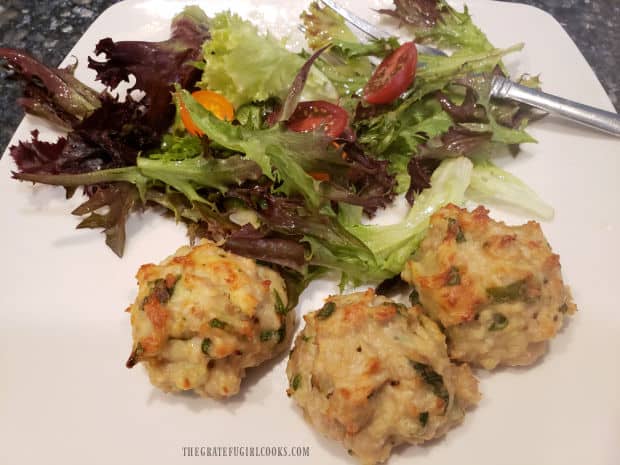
(203, 316)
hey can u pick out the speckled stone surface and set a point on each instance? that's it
(48, 29)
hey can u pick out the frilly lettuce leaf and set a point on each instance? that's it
(323, 25)
(156, 66)
(437, 23)
(246, 66)
(401, 131)
(345, 63)
(265, 147)
(288, 157)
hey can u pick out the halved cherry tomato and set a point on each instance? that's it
(212, 101)
(393, 76)
(315, 114)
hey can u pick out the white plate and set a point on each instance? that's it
(66, 396)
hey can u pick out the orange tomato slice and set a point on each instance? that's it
(212, 101)
(319, 176)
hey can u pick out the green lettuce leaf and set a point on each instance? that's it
(345, 63)
(186, 176)
(269, 148)
(399, 132)
(419, 125)
(250, 115)
(436, 22)
(500, 122)
(287, 157)
(438, 71)
(373, 48)
(491, 184)
(246, 66)
(174, 147)
(323, 25)
(397, 135)
(394, 244)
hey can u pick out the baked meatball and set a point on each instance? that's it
(373, 374)
(496, 289)
(203, 316)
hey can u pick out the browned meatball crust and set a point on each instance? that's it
(496, 289)
(373, 374)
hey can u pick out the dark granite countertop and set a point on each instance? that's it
(49, 29)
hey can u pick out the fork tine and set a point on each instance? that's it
(428, 50)
(361, 24)
(373, 31)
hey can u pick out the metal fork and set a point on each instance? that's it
(504, 88)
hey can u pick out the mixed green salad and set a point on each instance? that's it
(280, 156)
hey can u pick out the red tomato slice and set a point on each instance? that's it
(393, 76)
(316, 114)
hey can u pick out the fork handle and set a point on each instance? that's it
(596, 118)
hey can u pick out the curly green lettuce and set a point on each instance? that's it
(246, 66)
(436, 22)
